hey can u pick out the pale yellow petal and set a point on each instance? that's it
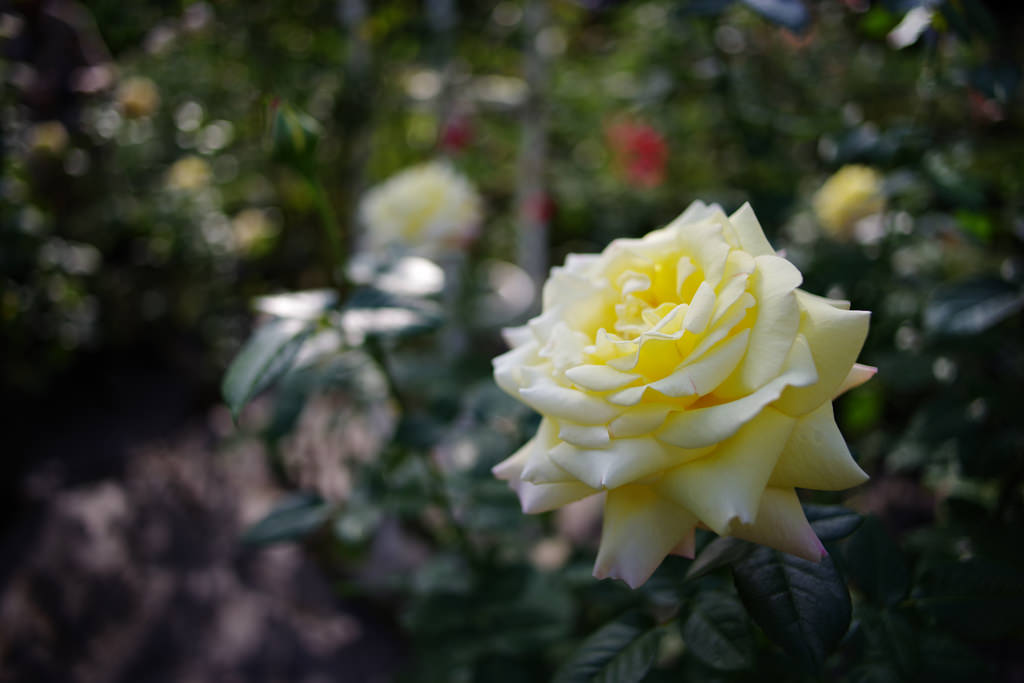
(776, 323)
(586, 436)
(836, 337)
(640, 529)
(639, 421)
(727, 484)
(857, 376)
(781, 524)
(599, 377)
(537, 498)
(816, 456)
(703, 376)
(706, 426)
(622, 462)
(561, 402)
(698, 315)
(749, 231)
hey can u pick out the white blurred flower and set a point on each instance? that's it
(429, 205)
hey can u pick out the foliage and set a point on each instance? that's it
(108, 248)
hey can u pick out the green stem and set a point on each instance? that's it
(335, 234)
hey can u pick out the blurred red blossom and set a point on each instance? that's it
(639, 150)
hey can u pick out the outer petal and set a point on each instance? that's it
(816, 456)
(836, 337)
(727, 484)
(858, 375)
(775, 326)
(622, 462)
(750, 232)
(640, 529)
(550, 399)
(700, 427)
(781, 524)
(533, 497)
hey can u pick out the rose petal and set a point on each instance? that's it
(703, 376)
(781, 524)
(749, 231)
(816, 456)
(857, 376)
(640, 528)
(700, 427)
(727, 484)
(836, 337)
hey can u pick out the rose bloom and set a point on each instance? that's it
(640, 150)
(428, 205)
(852, 193)
(688, 380)
(188, 173)
(138, 97)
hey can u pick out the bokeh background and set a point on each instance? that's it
(142, 209)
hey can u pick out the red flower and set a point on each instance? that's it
(640, 151)
(456, 134)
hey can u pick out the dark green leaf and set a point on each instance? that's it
(832, 522)
(718, 633)
(267, 355)
(891, 638)
(975, 598)
(876, 565)
(789, 13)
(802, 606)
(619, 652)
(718, 553)
(293, 518)
(971, 307)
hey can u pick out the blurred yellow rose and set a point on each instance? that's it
(49, 138)
(687, 379)
(138, 97)
(852, 193)
(427, 205)
(188, 173)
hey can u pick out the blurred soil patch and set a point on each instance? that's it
(122, 562)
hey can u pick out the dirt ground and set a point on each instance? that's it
(122, 562)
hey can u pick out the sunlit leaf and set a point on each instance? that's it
(972, 307)
(792, 14)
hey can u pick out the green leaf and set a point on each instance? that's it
(802, 606)
(971, 307)
(832, 522)
(293, 137)
(267, 355)
(622, 651)
(791, 14)
(975, 598)
(876, 565)
(718, 633)
(293, 518)
(718, 553)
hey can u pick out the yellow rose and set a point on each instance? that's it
(687, 379)
(852, 193)
(427, 205)
(188, 173)
(138, 97)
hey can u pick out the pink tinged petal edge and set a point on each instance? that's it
(726, 485)
(781, 524)
(640, 529)
(859, 374)
(816, 456)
